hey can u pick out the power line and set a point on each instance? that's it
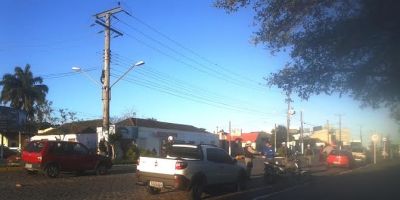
(191, 51)
(204, 69)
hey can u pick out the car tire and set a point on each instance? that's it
(101, 169)
(52, 170)
(196, 190)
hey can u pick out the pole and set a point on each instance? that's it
(301, 133)
(374, 152)
(230, 137)
(361, 140)
(106, 83)
(275, 137)
(340, 131)
(19, 140)
(288, 120)
(328, 134)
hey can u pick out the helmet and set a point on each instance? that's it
(170, 138)
(248, 143)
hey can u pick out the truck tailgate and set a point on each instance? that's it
(157, 165)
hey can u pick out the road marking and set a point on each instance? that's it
(279, 192)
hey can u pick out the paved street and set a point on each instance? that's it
(120, 184)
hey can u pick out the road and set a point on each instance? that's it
(120, 184)
(372, 182)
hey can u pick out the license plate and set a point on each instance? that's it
(156, 184)
(27, 165)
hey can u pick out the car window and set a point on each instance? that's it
(79, 149)
(36, 146)
(186, 152)
(57, 148)
(218, 155)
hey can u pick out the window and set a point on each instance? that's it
(218, 155)
(79, 149)
(186, 152)
(34, 147)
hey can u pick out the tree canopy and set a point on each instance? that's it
(23, 91)
(337, 46)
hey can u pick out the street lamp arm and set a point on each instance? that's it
(123, 75)
(79, 70)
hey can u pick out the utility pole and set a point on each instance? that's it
(230, 137)
(340, 131)
(301, 133)
(329, 136)
(275, 137)
(104, 19)
(361, 135)
(288, 100)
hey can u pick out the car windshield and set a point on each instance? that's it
(186, 152)
(34, 147)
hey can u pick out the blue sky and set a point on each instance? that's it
(201, 67)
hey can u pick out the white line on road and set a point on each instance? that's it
(279, 192)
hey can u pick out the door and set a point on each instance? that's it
(222, 169)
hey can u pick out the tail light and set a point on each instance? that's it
(39, 158)
(180, 165)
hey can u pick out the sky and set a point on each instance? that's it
(201, 67)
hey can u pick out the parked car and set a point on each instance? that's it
(340, 158)
(190, 168)
(12, 156)
(53, 157)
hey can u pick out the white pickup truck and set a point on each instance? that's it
(190, 168)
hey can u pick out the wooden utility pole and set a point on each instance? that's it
(275, 137)
(288, 100)
(104, 19)
(230, 138)
(301, 133)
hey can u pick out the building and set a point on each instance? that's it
(332, 136)
(147, 134)
(151, 134)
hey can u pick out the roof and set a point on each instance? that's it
(151, 123)
(247, 137)
(78, 127)
(90, 126)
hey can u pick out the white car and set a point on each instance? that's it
(191, 168)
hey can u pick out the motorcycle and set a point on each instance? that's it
(281, 167)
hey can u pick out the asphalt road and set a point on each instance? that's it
(373, 182)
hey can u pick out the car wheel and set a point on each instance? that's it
(153, 190)
(196, 191)
(241, 183)
(101, 169)
(52, 171)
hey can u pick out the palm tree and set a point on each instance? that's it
(22, 90)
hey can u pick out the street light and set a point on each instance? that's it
(106, 90)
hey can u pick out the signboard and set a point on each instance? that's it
(11, 119)
(375, 138)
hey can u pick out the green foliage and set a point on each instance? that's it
(343, 47)
(134, 153)
(23, 91)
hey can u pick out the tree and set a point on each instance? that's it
(280, 135)
(23, 91)
(343, 46)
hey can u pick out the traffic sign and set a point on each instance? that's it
(375, 138)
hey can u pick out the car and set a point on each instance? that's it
(12, 156)
(340, 158)
(191, 168)
(53, 157)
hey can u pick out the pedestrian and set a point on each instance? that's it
(167, 146)
(249, 153)
(309, 154)
(321, 154)
(103, 147)
(237, 149)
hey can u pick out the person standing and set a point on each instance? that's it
(268, 151)
(309, 154)
(249, 153)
